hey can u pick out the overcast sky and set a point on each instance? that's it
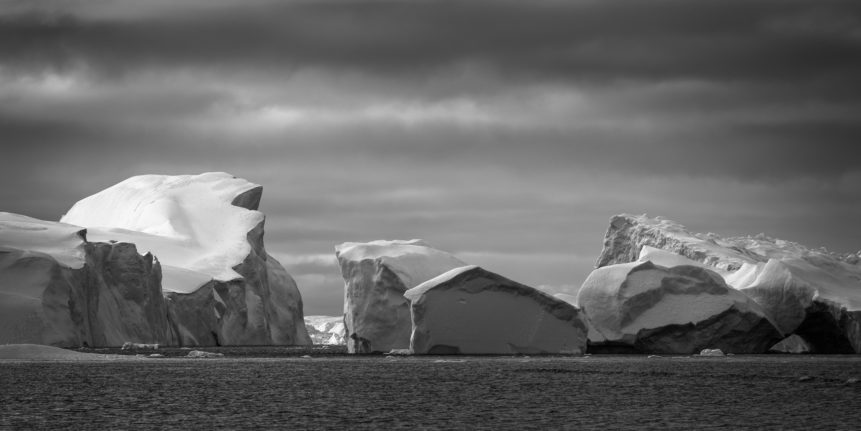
(506, 132)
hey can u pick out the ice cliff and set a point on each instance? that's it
(470, 310)
(811, 293)
(211, 281)
(376, 275)
(58, 288)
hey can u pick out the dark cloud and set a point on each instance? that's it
(506, 132)
(564, 40)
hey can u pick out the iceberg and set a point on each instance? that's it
(326, 329)
(791, 344)
(812, 293)
(204, 277)
(469, 310)
(376, 275)
(647, 308)
(221, 286)
(57, 288)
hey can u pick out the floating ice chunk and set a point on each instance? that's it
(202, 354)
(469, 310)
(711, 352)
(376, 275)
(677, 310)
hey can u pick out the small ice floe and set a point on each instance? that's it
(400, 352)
(202, 354)
(305, 356)
(654, 356)
(445, 361)
(805, 378)
(156, 355)
(852, 381)
(128, 345)
(712, 352)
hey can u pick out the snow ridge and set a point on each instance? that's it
(189, 221)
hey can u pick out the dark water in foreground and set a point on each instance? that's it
(598, 392)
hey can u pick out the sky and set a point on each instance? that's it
(505, 132)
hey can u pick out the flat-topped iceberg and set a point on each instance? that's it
(376, 275)
(809, 292)
(469, 310)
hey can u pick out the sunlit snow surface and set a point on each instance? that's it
(413, 261)
(63, 242)
(752, 261)
(188, 221)
(376, 275)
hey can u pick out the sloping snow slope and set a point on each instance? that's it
(195, 223)
(62, 242)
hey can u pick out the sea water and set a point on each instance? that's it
(593, 392)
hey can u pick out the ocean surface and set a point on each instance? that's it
(377, 392)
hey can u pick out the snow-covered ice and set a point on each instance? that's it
(627, 235)
(171, 259)
(189, 221)
(208, 235)
(792, 344)
(57, 288)
(326, 329)
(62, 242)
(376, 275)
(469, 310)
(676, 310)
(809, 292)
(203, 354)
(712, 352)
